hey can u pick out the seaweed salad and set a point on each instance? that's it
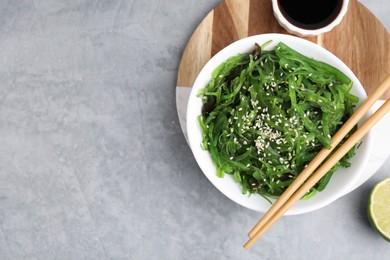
(266, 114)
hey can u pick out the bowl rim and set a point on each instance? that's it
(248, 43)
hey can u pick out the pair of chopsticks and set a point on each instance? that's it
(310, 176)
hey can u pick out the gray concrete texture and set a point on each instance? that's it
(93, 163)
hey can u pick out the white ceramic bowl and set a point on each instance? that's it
(342, 179)
(291, 28)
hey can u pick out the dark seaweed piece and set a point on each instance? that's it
(256, 53)
(209, 106)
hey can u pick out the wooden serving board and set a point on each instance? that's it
(360, 40)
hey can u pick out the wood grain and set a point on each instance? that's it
(360, 40)
(197, 53)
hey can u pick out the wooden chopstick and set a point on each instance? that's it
(336, 139)
(287, 198)
(339, 153)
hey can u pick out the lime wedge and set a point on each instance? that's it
(379, 208)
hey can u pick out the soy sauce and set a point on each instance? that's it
(310, 14)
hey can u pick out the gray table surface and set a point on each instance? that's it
(93, 163)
